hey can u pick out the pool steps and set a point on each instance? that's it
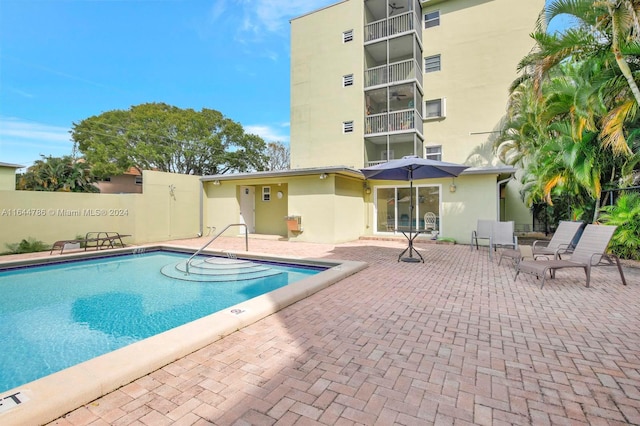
(218, 269)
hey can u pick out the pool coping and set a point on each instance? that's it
(53, 396)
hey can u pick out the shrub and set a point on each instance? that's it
(625, 214)
(29, 245)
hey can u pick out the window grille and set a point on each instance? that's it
(434, 108)
(433, 153)
(432, 19)
(347, 80)
(432, 63)
(347, 127)
(347, 36)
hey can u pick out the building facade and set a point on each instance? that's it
(375, 80)
(380, 79)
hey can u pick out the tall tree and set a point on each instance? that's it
(278, 155)
(161, 137)
(62, 174)
(582, 97)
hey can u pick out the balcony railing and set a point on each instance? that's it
(392, 73)
(396, 121)
(398, 24)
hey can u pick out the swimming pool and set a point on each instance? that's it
(52, 396)
(56, 316)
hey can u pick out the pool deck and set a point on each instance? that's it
(452, 341)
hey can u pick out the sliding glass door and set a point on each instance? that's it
(393, 206)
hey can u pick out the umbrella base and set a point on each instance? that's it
(410, 259)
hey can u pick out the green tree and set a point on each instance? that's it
(605, 29)
(63, 174)
(573, 115)
(156, 136)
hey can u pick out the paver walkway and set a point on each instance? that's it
(452, 341)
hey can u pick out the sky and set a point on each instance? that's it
(62, 61)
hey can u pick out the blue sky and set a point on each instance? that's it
(62, 61)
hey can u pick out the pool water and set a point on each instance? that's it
(56, 316)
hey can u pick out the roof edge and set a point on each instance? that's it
(341, 170)
(489, 170)
(11, 165)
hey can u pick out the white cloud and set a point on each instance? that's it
(268, 133)
(23, 142)
(274, 15)
(16, 128)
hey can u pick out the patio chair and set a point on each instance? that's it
(502, 235)
(430, 219)
(589, 252)
(562, 241)
(482, 231)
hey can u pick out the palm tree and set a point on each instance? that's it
(63, 174)
(553, 132)
(606, 29)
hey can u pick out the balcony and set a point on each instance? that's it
(394, 25)
(396, 121)
(392, 73)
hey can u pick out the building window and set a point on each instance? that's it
(434, 108)
(347, 36)
(433, 153)
(138, 180)
(347, 127)
(266, 193)
(432, 63)
(432, 19)
(347, 80)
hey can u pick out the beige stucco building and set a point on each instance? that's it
(374, 80)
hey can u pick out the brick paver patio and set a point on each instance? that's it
(452, 341)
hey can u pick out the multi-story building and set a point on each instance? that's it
(374, 80)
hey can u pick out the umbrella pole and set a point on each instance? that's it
(411, 236)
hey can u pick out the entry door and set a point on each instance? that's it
(248, 208)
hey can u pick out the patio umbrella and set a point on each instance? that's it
(407, 169)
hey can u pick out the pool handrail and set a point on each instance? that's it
(246, 241)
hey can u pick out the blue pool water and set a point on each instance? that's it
(53, 317)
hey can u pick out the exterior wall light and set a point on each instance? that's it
(323, 176)
(452, 187)
(216, 182)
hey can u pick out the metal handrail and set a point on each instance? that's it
(246, 241)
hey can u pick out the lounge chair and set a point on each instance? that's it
(502, 235)
(589, 252)
(98, 240)
(482, 231)
(561, 242)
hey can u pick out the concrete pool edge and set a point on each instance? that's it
(53, 396)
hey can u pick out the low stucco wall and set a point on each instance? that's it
(168, 208)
